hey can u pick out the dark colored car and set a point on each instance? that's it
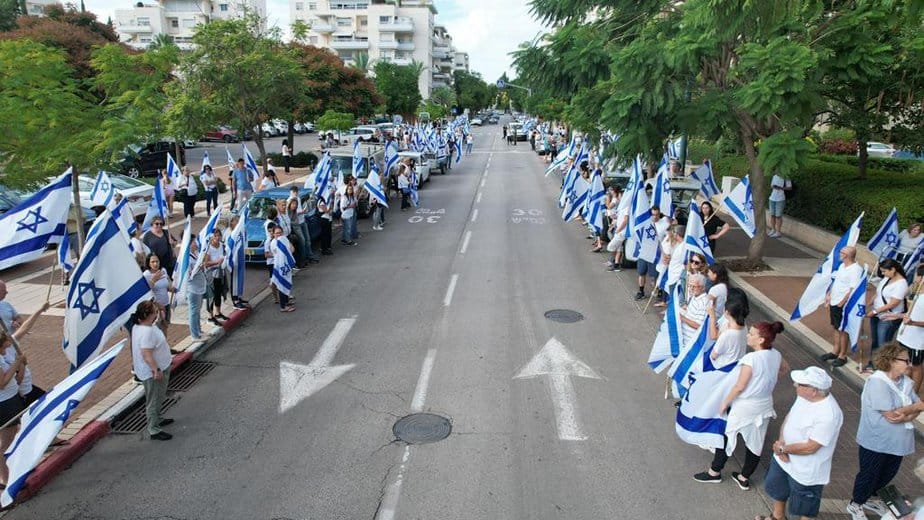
(146, 159)
(222, 133)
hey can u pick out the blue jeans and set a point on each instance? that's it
(468, 148)
(306, 234)
(882, 332)
(349, 225)
(195, 305)
(355, 226)
(801, 500)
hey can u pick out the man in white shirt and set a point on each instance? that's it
(846, 278)
(778, 188)
(8, 313)
(801, 463)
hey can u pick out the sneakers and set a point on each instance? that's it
(774, 234)
(376, 228)
(706, 478)
(877, 506)
(839, 362)
(613, 268)
(827, 357)
(856, 511)
(640, 296)
(164, 436)
(743, 483)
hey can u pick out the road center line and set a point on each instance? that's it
(468, 236)
(483, 180)
(389, 504)
(475, 215)
(478, 198)
(423, 382)
(451, 289)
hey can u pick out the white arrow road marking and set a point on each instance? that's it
(298, 382)
(557, 362)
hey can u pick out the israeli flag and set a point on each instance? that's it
(374, 186)
(675, 147)
(205, 234)
(45, 418)
(704, 175)
(64, 259)
(106, 286)
(283, 263)
(576, 199)
(689, 361)
(458, 146)
(184, 265)
(173, 169)
(124, 218)
(103, 190)
(561, 158)
(699, 421)
(912, 261)
(415, 198)
(636, 183)
(250, 164)
(695, 238)
(661, 194)
(320, 177)
(391, 156)
(817, 288)
(855, 311)
(236, 259)
(643, 230)
(885, 241)
(358, 160)
(740, 204)
(596, 203)
(28, 228)
(205, 162)
(156, 208)
(669, 341)
(231, 161)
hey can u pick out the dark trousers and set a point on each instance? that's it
(285, 162)
(750, 461)
(876, 471)
(404, 200)
(325, 234)
(189, 206)
(283, 300)
(211, 201)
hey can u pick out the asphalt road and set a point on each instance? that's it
(443, 309)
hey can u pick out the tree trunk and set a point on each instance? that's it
(758, 194)
(176, 150)
(863, 156)
(291, 137)
(75, 192)
(258, 138)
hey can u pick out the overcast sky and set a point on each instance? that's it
(487, 29)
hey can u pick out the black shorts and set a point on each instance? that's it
(10, 408)
(837, 315)
(33, 396)
(916, 356)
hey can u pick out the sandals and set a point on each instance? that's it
(290, 308)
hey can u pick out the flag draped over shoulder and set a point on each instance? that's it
(235, 261)
(885, 241)
(45, 418)
(699, 421)
(28, 228)
(282, 266)
(855, 311)
(103, 190)
(690, 360)
(704, 175)
(373, 185)
(740, 204)
(106, 286)
(817, 288)
(695, 238)
(669, 341)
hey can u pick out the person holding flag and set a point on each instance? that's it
(884, 241)
(243, 188)
(377, 197)
(887, 307)
(283, 264)
(910, 242)
(714, 226)
(846, 279)
(235, 237)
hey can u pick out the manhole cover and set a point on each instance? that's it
(564, 315)
(422, 428)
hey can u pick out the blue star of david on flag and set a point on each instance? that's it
(104, 186)
(84, 289)
(891, 239)
(36, 217)
(285, 270)
(66, 413)
(651, 233)
(705, 241)
(861, 310)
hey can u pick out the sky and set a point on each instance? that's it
(487, 29)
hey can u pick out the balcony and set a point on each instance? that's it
(405, 46)
(400, 61)
(349, 6)
(322, 27)
(135, 29)
(348, 45)
(401, 25)
(388, 44)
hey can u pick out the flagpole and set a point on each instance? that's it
(51, 281)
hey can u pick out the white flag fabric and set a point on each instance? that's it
(374, 186)
(674, 147)
(173, 170)
(106, 286)
(885, 240)
(690, 360)
(358, 160)
(643, 230)
(699, 421)
(235, 261)
(124, 218)
(251, 165)
(706, 180)
(576, 199)
(156, 208)
(855, 311)
(391, 156)
(28, 228)
(45, 418)
(561, 158)
(231, 161)
(661, 194)
(596, 203)
(283, 263)
(695, 239)
(320, 177)
(636, 183)
(205, 162)
(817, 288)
(205, 235)
(740, 205)
(669, 341)
(184, 265)
(912, 261)
(103, 190)
(64, 259)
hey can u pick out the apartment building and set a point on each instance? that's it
(398, 31)
(139, 25)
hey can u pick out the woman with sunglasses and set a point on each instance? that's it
(161, 243)
(888, 306)
(885, 434)
(715, 227)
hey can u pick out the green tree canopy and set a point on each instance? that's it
(398, 86)
(333, 120)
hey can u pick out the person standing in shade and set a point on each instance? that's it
(243, 190)
(715, 227)
(801, 464)
(778, 188)
(210, 184)
(161, 243)
(189, 191)
(151, 360)
(887, 307)
(886, 431)
(846, 278)
(286, 154)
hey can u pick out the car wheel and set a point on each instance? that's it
(134, 173)
(229, 138)
(266, 135)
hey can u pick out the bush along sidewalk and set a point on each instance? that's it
(299, 160)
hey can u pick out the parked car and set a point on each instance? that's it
(11, 197)
(342, 162)
(874, 149)
(423, 164)
(476, 122)
(146, 159)
(386, 128)
(258, 206)
(366, 134)
(517, 128)
(223, 134)
(137, 193)
(303, 128)
(267, 130)
(282, 127)
(493, 120)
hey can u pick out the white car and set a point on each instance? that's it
(874, 149)
(282, 127)
(267, 130)
(138, 193)
(476, 122)
(422, 166)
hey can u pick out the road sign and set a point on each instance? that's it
(500, 83)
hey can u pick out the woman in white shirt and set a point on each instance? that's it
(286, 154)
(888, 306)
(718, 293)
(269, 180)
(911, 336)
(10, 401)
(161, 286)
(730, 336)
(347, 213)
(404, 185)
(210, 183)
(215, 276)
(151, 360)
(139, 248)
(909, 240)
(189, 191)
(749, 404)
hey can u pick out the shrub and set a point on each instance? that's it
(299, 160)
(877, 163)
(838, 147)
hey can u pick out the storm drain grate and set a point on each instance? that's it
(135, 421)
(191, 374)
(422, 428)
(564, 315)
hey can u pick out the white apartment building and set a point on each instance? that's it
(461, 61)
(37, 7)
(398, 31)
(178, 18)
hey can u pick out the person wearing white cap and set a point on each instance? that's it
(801, 464)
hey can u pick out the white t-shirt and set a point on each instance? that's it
(147, 337)
(161, 286)
(12, 388)
(212, 255)
(821, 422)
(675, 267)
(765, 368)
(661, 227)
(719, 292)
(730, 346)
(189, 184)
(209, 181)
(845, 280)
(696, 311)
(26, 386)
(346, 212)
(885, 291)
(777, 194)
(906, 244)
(912, 336)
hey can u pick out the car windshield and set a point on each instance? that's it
(344, 163)
(682, 198)
(259, 206)
(122, 182)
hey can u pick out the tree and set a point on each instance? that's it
(443, 96)
(9, 11)
(333, 120)
(398, 85)
(361, 61)
(236, 73)
(161, 40)
(471, 91)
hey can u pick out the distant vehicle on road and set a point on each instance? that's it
(477, 122)
(146, 159)
(223, 134)
(874, 149)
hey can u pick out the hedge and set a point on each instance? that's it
(878, 163)
(200, 193)
(299, 160)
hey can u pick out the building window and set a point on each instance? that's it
(344, 22)
(384, 19)
(223, 8)
(299, 6)
(189, 23)
(143, 21)
(174, 23)
(364, 22)
(312, 6)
